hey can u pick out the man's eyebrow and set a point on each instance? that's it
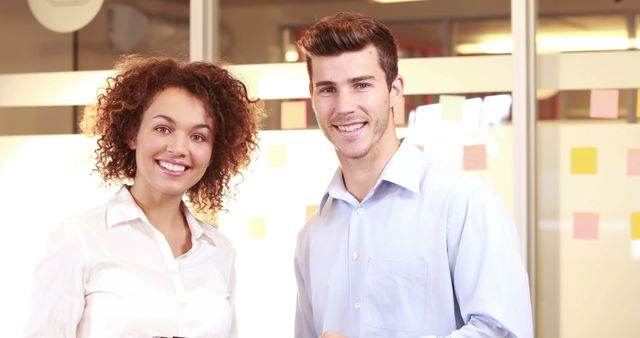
(361, 78)
(351, 80)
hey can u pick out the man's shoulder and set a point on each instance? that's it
(439, 174)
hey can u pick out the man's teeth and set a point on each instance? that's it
(172, 167)
(351, 127)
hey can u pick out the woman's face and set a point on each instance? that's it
(173, 145)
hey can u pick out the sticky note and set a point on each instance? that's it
(257, 227)
(311, 209)
(474, 157)
(633, 162)
(293, 115)
(399, 115)
(452, 107)
(585, 225)
(635, 225)
(277, 155)
(584, 160)
(604, 104)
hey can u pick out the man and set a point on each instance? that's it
(401, 246)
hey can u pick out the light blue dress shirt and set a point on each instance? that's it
(430, 251)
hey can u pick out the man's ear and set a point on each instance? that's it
(397, 90)
(310, 89)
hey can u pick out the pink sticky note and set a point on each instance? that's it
(604, 104)
(474, 157)
(633, 162)
(585, 225)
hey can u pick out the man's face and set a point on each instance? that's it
(352, 102)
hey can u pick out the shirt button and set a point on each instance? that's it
(355, 256)
(183, 304)
(360, 211)
(356, 305)
(173, 271)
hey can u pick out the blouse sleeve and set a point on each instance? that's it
(57, 297)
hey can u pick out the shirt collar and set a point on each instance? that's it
(403, 169)
(122, 208)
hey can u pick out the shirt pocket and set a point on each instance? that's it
(395, 294)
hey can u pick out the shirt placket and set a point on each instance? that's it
(173, 268)
(356, 265)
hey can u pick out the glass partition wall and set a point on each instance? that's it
(459, 104)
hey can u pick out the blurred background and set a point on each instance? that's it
(581, 243)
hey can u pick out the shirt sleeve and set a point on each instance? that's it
(57, 297)
(490, 281)
(304, 314)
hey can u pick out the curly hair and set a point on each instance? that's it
(118, 114)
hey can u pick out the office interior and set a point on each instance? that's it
(556, 135)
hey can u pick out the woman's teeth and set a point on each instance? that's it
(172, 167)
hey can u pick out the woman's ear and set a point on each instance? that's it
(131, 142)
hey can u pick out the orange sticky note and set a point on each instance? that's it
(474, 157)
(293, 115)
(452, 107)
(635, 225)
(399, 117)
(585, 225)
(604, 104)
(257, 227)
(584, 160)
(311, 209)
(633, 162)
(277, 156)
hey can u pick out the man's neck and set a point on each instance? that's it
(360, 175)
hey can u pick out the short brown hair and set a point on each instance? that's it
(119, 110)
(347, 32)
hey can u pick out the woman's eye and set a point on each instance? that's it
(162, 129)
(198, 138)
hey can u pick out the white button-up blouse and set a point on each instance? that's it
(110, 273)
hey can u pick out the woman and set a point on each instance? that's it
(142, 265)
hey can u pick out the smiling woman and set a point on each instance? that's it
(142, 265)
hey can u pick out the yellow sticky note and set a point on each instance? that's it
(277, 156)
(311, 209)
(257, 227)
(452, 107)
(399, 115)
(584, 160)
(635, 225)
(293, 115)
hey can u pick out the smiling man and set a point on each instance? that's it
(401, 246)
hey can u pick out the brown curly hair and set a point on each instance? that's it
(119, 110)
